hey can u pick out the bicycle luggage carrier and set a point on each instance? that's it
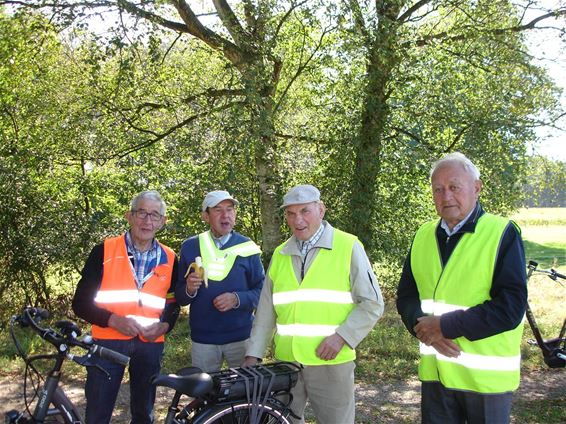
(252, 382)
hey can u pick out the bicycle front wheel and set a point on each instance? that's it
(244, 413)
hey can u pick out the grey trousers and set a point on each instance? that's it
(210, 357)
(330, 392)
(440, 405)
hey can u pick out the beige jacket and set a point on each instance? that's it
(365, 293)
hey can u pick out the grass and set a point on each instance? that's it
(544, 235)
(540, 411)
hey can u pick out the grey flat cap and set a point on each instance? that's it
(304, 193)
(215, 197)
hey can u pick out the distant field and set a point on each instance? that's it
(541, 216)
(544, 233)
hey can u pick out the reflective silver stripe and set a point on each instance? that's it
(152, 301)
(308, 330)
(116, 296)
(143, 321)
(129, 296)
(247, 248)
(473, 361)
(430, 307)
(312, 295)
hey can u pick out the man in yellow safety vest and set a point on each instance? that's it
(322, 298)
(463, 294)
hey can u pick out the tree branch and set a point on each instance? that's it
(231, 22)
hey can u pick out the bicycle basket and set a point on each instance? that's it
(245, 383)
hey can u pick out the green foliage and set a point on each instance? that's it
(89, 120)
(545, 183)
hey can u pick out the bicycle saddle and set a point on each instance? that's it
(188, 381)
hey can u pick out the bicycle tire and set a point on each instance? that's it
(63, 411)
(239, 413)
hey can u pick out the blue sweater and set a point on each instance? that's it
(208, 324)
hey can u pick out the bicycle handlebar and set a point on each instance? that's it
(31, 316)
(552, 273)
(109, 354)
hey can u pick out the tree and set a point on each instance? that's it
(484, 76)
(545, 183)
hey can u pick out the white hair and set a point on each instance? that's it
(149, 195)
(459, 158)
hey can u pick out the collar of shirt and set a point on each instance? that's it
(143, 263)
(459, 225)
(305, 246)
(222, 240)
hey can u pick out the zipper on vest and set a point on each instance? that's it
(303, 262)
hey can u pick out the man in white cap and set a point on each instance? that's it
(322, 298)
(222, 304)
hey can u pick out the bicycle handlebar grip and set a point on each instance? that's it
(558, 274)
(110, 355)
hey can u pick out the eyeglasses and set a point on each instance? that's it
(141, 214)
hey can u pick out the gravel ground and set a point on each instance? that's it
(391, 402)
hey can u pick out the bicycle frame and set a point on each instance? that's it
(51, 399)
(553, 350)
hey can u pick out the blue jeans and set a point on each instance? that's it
(440, 405)
(101, 390)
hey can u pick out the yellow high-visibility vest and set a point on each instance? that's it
(218, 263)
(490, 365)
(310, 311)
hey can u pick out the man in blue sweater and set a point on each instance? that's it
(221, 303)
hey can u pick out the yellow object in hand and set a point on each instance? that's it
(199, 270)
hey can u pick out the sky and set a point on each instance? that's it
(550, 51)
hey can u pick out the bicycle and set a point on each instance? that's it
(554, 349)
(52, 404)
(251, 395)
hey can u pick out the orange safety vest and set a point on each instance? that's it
(119, 294)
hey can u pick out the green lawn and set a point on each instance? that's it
(544, 234)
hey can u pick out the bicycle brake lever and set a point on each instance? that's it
(101, 369)
(83, 360)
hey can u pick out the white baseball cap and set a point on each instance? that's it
(215, 197)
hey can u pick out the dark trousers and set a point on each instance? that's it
(101, 389)
(440, 405)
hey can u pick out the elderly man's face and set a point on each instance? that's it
(145, 221)
(221, 218)
(455, 192)
(305, 218)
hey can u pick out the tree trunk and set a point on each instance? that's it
(381, 60)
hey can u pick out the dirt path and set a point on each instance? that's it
(391, 402)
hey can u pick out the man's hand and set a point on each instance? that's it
(447, 347)
(155, 330)
(126, 326)
(250, 361)
(193, 283)
(330, 347)
(428, 330)
(225, 302)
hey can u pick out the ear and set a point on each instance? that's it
(129, 217)
(205, 217)
(322, 209)
(477, 187)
